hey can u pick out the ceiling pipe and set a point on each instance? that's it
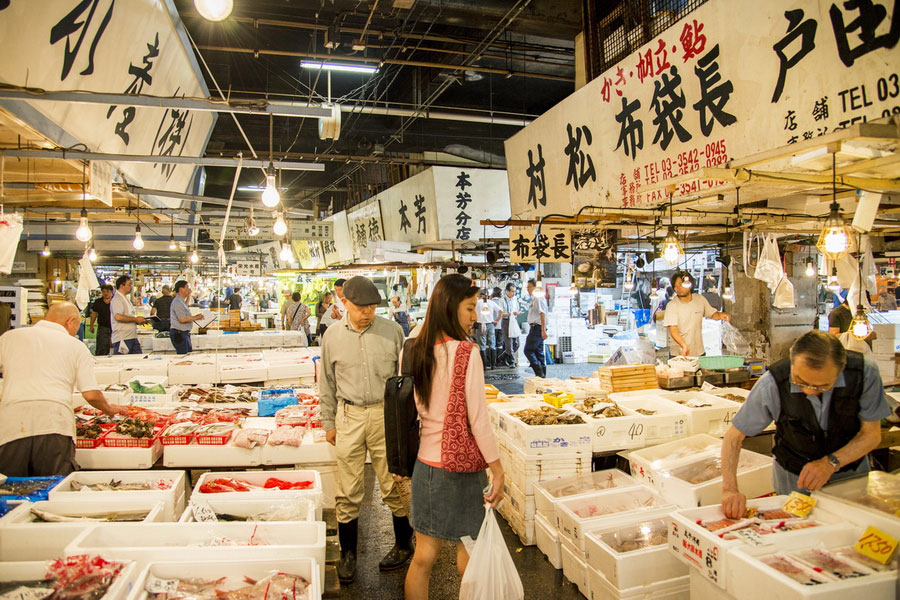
(63, 154)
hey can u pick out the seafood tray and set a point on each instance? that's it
(872, 499)
(546, 439)
(647, 462)
(706, 413)
(574, 567)
(626, 430)
(234, 573)
(782, 571)
(30, 489)
(546, 536)
(584, 513)
(152, 542)
(36, 570)
(245, 371)
(548, 493)
(695, 541)
(73, 488)
(663, 421)
(677, 588)
(632, 553)
(259, 478)
(527, 469)
(699, 482)
(301, 509)
(85, 442)
(24, 536)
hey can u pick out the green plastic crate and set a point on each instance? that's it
(721, 362)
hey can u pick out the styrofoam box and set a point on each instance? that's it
(546, 536)
(308, 452)
(707, 552)
(885, 345)
(494, 408)
(522, 504)
(243, 372)
(248, 507)
(750, 579)
(525, 469)
(638, 567)
(672, 589)
(616, 433)
(887, 331)
(833, 498)
(197, 455)
(754, 477)
(23, 539)
(172, 498)
(294, 338)
(144, 369)
(715, 419)
(647, 462)
(193, 541)
(523, 527)
(235, 570)
(671, 421)
(148, 380)
(704, 589)
(36, 570)
(259, 478)
(548, 493)
(201, 369)
(114, 459)
(545, 439)
(285, 369)
(636, 502)
(574, 567)
(163, 344)
(106, 374)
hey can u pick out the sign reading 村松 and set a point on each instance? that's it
(551, 246)
(728, 80)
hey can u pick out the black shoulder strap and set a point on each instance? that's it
(407, 348)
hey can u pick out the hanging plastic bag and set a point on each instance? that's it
(491, 574)
(735, 342)
(515, 331)
(768, 267)
(10, 232)
(784, 294)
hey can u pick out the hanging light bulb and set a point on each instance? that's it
(286, 254)
(727, 294)
(687, 283)
(860, 328)
(92, 255)
(46, 250)
(672, 252)
(172, 245)
(252, 229)
(834, 240)
(237, 245)
(214, 10)
(810, 268)
(138, 242)
(833, 284)
(83, 233)
(628, 284)
(194, 257)
(279, 227)
(538, 290)
(270, 195)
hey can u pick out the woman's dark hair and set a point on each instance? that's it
(440, 320)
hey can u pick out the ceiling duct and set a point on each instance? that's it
(481, 156)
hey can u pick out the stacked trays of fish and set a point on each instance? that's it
(677, 588)
(548, 494)
(707, 413)
(22, 572)
(647, 462)
(575, 568)
(42, 530)
(663, 421)
(154, 542)
(705, 540)
(251, 509)
(209, 578)
(698, 480)
(165, 486)
(257, 479)
(545, 439)
(518, 510)
(613, 427)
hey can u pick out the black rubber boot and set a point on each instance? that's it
(492, 357)
(483, 359)
(402, 550)
(348, 534)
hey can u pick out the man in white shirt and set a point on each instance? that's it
(124, 323)
(42, 365)
(537, 331)
(484, 330)
(510, 306)
(684, 317)
(336, 312)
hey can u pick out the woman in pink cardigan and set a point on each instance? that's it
(449, 482)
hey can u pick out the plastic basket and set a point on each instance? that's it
(558, 399)
(177, 440)
(721, 362)
(88, 443)
(117, 442)
(213, 440)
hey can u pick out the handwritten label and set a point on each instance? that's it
(156, 585)
(203, 512)
(877, 545)
(748, 536)
(799, 504)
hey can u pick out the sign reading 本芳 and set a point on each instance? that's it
(551, 246)
(409, 211)
(728, 80)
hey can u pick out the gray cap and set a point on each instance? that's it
(361, 291)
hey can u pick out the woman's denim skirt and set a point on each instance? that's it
(447, 506)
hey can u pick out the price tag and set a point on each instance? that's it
(748, 536)
(156, 585)
(203, 512)
(799, 504)
(877, 545)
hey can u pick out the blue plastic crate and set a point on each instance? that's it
(37, 495)
(272, 400)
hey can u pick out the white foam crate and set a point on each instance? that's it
(191, 370)
(23, 539)
(258, 478)
(617, 396)
(163, 344)
(548, 493)
(154, 366)
(521, 503)
(837, 497)
(637, 567)
(704, 589)
(525, 469)
(616, 433)
(885, 345)
(611, 506)
(645, 463)
(155, 542)
(195, 455)
(148, 380)
(714, 420)
(672, 589)
(114, 459)
(546, 536)
(290, 369)
(754, 477)
(495, 408)
(519, 512)
(749, 579)
(235, 570)
(36, 570)
(544, 439)
(309, 451)
(708, 553)
(243, 372)
(310, 509)
(574, 567)
(172, 498)
(670, 421)
(106, 374)
(887, 330)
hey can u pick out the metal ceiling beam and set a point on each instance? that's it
(263, 108)
(300, 212)
(150, 158)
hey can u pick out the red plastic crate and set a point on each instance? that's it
(90, 443)
(116, 442)
(213, 440)
(177, 440)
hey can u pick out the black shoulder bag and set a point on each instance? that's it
(401, 420)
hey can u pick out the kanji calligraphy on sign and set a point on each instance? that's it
(365, 225)
(550, 246)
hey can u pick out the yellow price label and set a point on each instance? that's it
(877, 545)
(799, 504)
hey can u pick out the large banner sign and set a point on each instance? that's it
(110, 46)
(409, 211)
(728, 80)
(338, 250)
(364, 223)
(465, 197)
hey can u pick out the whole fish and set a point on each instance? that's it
(123, 516)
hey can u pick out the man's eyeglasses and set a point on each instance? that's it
(804, 385)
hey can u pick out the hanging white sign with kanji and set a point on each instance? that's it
(465, 197)
(550, 246)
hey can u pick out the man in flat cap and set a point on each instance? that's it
(359, 354)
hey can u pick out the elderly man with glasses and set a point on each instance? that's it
(827, 404)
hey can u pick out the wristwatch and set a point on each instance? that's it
(831, 458)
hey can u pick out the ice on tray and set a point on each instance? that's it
(879, 490)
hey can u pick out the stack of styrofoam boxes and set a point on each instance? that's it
(548, 493)
(163, 344)
(647, 462)
(714, 419)
(885, 347)
(172, 495)
(669, 421)
(293, 364)
(242, 368)
(614, 433)
(193, 369)
(581, 514)
(156, 365)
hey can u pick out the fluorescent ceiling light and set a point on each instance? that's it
(306, 64)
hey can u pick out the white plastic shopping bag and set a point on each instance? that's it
(490, 574)
(784, 294)
(768, 267)
(514, 330)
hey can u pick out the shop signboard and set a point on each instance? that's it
(465, 197)
(551, 246)
(245, 268)
(309, 253)
(364, 224)
(133, 47)
(728, 80)
(594, 263)
(409, 210)
(338, 250)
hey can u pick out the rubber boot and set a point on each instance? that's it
(492, 356)
(348, 534)
(483, 359)
(402, 550)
